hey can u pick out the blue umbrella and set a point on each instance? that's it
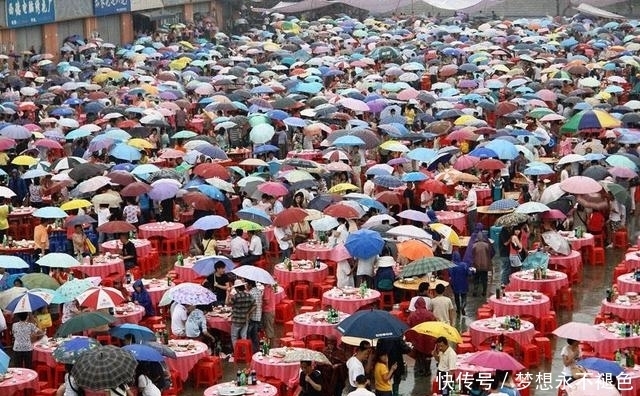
(483, 152)
(27, 302)
(205, 266)
(144, 353)
(211, 222)
(265, 148)
(505, 150)
(118, 134)
(536, 260)
(256, 215)
(422, 154)
(69, 350)
(348, 140)
(4, 362)
(211, 192)
(372, 203)
(387, 181)
(125, 152)
(504, 204)
(364, 244)
(602, 366)
(50, 212)
(372, 324)
(13, 262)
(211, 151)
(414, 177)
(140, 333)
(61, 112)
(295, 122)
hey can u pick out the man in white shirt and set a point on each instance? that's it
(284, 237)
(255, 244)
(446, 358)
(369, 188)
(238, 246)
(178, 319)
(355, 364)
(361, 390)
(423, 290)
(472, 207)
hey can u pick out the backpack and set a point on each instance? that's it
(596, 222)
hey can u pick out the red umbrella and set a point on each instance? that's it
(485, 131)
(116, 227)
(344, 209)
(135, 189)
(6, 143)
(289, 216)
(273, 189)
(496, 360)
(448, 70)
(199, 201)
(434, 186)
(211, 169)
(48, 143)
(553, 214)
(465, 162)
(504, 108)
(388, 197)
(461, 134)
(490, 164)
(100, 298)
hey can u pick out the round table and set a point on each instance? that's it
(143, 247)
(155, 288)
(188, 353)
(102, 266)
(612, 340)
(308, 272)
(578, 243)
(456, 220)
(521, 303)
(629, 382)
(305, 154)
(484, 329)
(627, 283)
(43, 353)
(632, 260)
(169, 230)
(22, 214)
(219, 320)
(128, 313)
(624, 310)
(313, 250)
(315, 323)
(483, 193)
(456, 206)
(349, 303)
(570, 264)
(274, 366)
(486, 215)
(185, 272)
(464, 369)
(19, 380)
(523, 280)
(262, 388)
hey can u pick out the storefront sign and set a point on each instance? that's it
(110, 7)
(29, 12)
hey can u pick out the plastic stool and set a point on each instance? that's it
(242, 351)
(530, 355)
(300, 292)
(621, 239)
(313, 302)
(599, 239)
(46, 392)
(316, 345)
(284, 312)
(564, 298)
(306, 309)
(296, 344)
(44, 373)
(217, 362)
(482, 314)
(205, 374)
(284, 341)
(619, 270)
(288, 326)
(318, 290)
(59, 371)
(597, 256)
(387, 299)
(548, 324)
(544, 343)
(465, 348)
(404, 306)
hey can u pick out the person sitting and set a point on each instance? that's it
(209, 244)
(196, 326)
(141, 297)
(239, 247)
(219, 282)
(129, 255)
(570, 355)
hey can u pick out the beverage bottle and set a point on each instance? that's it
(317, 263)
(254, 377)
(128, 277)
(498, 295)
(180, 259)
(238, 383)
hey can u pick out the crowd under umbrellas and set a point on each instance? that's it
(187, 125)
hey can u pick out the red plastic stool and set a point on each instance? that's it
(300, 292)
(284, 312)
(544, 343)
(465, 348)
(548, 324)
(217, 363)
(404, 306)
(318, 290)
(296, 344)
(242, 351)
(288, 326)
(466, 340)
(313, 302)
(387, 299)
(598, 239)
(399, 315)
(316, 345)
(44, 373)
(621, 239)
(46, 392)
(306, 309)
(483, 315)
(597, 256)
(530, 355)
(564, 298)
(205, 374)
(104, 339)
(59, 371)
(284, 341)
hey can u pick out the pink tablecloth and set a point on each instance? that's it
(315, 323)
(612, 341)
(308, 251)
(484, 329)
(262, 388)
(43, 353)
(348, 303)
(23, 213)
(632, 260)
(627, 313)
(517, 303)
(523, 280)
(21, 379)
(629, 382)
(627, 283)
(186, 359)
(132, 314)
(155, 287)
(271, 366)
(168, 230)
(220, 322)
(102, 267)
(456, 220)
(578, 243)
(312, 275)
(456, 206)
(483, 193)
(305, 154)
(185, 272)
(570, 265)
(143, 247)
(464, 369)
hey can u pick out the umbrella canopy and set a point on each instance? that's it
(206, 265)
(425, 265)
(116, 227)
(504, 204)
(100, 298)
(590, 120)
(140, 333)
(579, 331)
(371, 324)
(255, 215)
(496, 360)
(414, 249)
(557, 242)
(364, 244)
(602, 366)
(439, 329)
(580, 185)
(29, 301)
(37, 280)
(511, 220)
(211, 222)
(255, 274)
(84, 321)
(13, 262)
(50, 212)
(289, 216)
(194, 294)
(415, 215)
(245, 225)
(70, 290)
(104, 368)
(144, 353)
(326, 223)
(532, 207)
(302, 354)
(58, 260)
(68, 351)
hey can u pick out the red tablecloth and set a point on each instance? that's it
(627, 283)
(311, 251)
(305, 154)
(21, 379)
(262, 388)
(456, 220)
(612, 341)
(163, 229)
(43, 353)
(484, 329)
(483, 193)
(102, 266)
(456, 206)
(348, 303)
(520, 303)
(186, 359)
(315, 323)
(185, 272)
(23, 214)
(143, 247)
(130, 313)
(308, 273)
(523, 280)
(155, 288)
(272, 366)
(570, 265)
(219, 321)
(578, 243)
(623, 311)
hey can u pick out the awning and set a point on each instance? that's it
(158, 15)
(598, 12)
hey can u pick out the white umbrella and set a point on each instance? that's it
(551, 193)
(6, 192)
(568, 159)
(325, 223)
(255, 274)
(532, 207)
(409, 231)
(557, 242)
(68, 123)
(378, 219)
(58, 260)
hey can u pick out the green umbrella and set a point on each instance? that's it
(619, 193)
(70, 290)
(257, 119)
(425, 265)
(540, 112)
(39, 280)
(82, 322)
(184, 134)
(261, 133)
(245, 225)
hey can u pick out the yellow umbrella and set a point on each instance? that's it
(394, 145)
(140, 143)
(439, 329)
(177, 65)
(186, 44)
(501, 68)
(343, 187)
(37, 135)
(271, 47)
(150, 89)
(75, 204)
(466, 119)
(24, 160)
(447, 232)
(138, 58)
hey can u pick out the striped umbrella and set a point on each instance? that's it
(100, 297)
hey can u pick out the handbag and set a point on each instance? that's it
(515, 261)
(44, 321)
(90, 246)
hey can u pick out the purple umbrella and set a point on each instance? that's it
(164, 189)
(166, 95)
(467, 84)
(377, 105)
(414, 215)
(622, 172)
(398, 161)
(15, 132)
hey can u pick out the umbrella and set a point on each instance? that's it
(439, 329)
(343, 187)
(415, 215)
(580, 185)
(58, 260)
(602, 366)
(345, 209)
(39, 281)
(409, 231)
(532, 207)
(596, 172)
(93, 184)
(553, 214)
(79, 219)
(70, 290)
(586, 387)
(273, 189)
(163, 349)
(9, 295)
(619, 193)
(570, 158)
(301, 354)
(364, 244)
(100, 298)
(104, 368)
(194, 294)
(116, 227)
(387, 181)
(6, 192)
(623, 173)
(245, 225)
(324, 224)
(447, 232)
(140, 333)
(29, 301)
(84, 321)
(211, 222)
(68, 351)
(496, 360)
(206, 265)
(590, 119)
(144, 353)
(255, 274)
(511, 220)
(289, 216)
(425, 265)
(414, 249)
(13, 262)
(75, 204)
(373, 323)
(579, 331)
(504, 204)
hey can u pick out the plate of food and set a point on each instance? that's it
(631, 294)
(231, 391)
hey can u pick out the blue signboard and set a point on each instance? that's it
(29, 12)
(110, 7)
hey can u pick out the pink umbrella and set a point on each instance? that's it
(622, 172)
(340, 253)
(579, 331)
(353, 104)
(547, 95)
(580, 185)
(408, 94)
(6, 143)
(465, 162)
(273, 188)
(552, 117)
(495, 360)
(171, 153)
(553, 214)
(48, 143)
(591, 386)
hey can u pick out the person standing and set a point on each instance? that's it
(356, 363)
(505, 270)
(447, 359)
(25, 333)
(255, 320)
(394, 348)
(515, 247)
(310, 380)
(361, 389)
(242, 305)
(472, 207)
(238, 247)
(284, 237)
(5, 210)
(382, 373)
(459, 276)
(443, 306)
(481, 253)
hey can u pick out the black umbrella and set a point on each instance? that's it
(104, 368)
(564, 204)
(320, 202)
(596, 172)
(86, 171)
(81, 219)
